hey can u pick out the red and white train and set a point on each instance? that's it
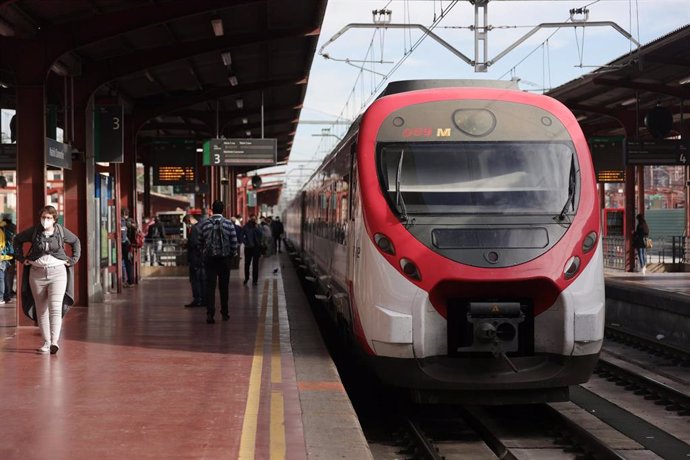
(454, 236)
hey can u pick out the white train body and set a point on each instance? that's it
(465, 262)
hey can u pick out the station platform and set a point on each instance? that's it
(140, 376)
(655, 305)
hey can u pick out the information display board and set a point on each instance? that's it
(173, 175)
(658, 152)
(608, 157)
(240, 152)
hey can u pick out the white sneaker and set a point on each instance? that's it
(644, 270)
(45, 348)
(2, 302)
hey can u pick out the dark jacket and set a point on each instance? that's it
(56, 244)
(253, 236)
(640, 234)
(277, 228)
(194, 254)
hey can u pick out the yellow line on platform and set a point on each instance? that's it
(276, 370)
(277, 425)
(277, 400)
(251, 411)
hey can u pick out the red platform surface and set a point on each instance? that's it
(139, 376)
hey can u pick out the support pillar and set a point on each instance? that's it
(31, 181)
(75, 220)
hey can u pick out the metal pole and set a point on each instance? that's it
(262, 114)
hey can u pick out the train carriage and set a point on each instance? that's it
(453, 234)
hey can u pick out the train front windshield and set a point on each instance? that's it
(479, 177)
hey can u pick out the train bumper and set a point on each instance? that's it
(485, 380)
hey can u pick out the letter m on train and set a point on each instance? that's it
(443, 132)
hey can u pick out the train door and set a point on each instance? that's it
(355, 218)
(302, 219)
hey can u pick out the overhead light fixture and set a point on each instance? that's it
(248, 133)
(245, 121)
(233, 80)
(60, 69)
(6, 29)
(227, 58)
(239, 103)
(217, 24)
(632, 100)
(684, 81)
(199, 150)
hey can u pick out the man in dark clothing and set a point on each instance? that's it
(128, 278)
(218, 243)
(195, 259)
(277, 230)
(10, 231)
(155, 236)
(252, 250)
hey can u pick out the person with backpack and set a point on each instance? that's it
(218, 243)
(6, 252)
(48, 281)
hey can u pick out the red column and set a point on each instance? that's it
(31, 183)
(75, 220)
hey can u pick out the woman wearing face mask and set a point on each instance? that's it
(49, 272)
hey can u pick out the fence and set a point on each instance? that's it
(673, 250)
(170, 253)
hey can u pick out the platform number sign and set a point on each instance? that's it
(108, 123)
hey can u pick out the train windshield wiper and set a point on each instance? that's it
(399, 202)
(571, 192)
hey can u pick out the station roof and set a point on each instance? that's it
(184, 68)
(657, 73)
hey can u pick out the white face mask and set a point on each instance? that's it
(47, 223)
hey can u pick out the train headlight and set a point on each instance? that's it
(589, 242)
(384, 243)
(410, 269)
(572, 266)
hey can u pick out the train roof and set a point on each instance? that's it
(404, 86)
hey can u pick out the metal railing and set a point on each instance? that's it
(170, 253)
(674, 250)
(614, 252)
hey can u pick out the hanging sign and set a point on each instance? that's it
(109, 134)
(58, 154)
(240, 152)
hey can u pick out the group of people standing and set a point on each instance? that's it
(213, 246)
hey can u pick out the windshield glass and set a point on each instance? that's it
(479, 177)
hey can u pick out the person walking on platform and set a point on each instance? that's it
(277, 230)
(253, 237)
(154, 237)
(6, 251)
(126, 246)
(267, 243)
(10, 230)
(218, 242)
(640, 236)
(197, 274)
(48, 271)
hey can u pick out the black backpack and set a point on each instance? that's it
(218, 244)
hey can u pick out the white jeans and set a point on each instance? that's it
(48, 286)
